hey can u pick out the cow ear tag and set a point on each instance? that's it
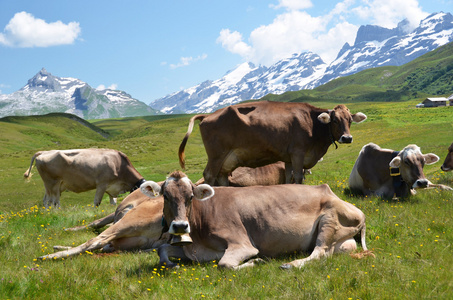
(150, 189)
(203, 192)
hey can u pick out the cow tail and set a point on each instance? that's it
(182, 157)
(27, 173)
(362, 238)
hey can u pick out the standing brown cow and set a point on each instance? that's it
(259, 133)
(80, 170)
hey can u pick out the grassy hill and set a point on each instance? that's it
(430, 74)
(411, 239)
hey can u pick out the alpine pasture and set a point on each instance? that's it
(411, 238)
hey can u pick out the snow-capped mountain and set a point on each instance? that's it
(374, 46)
(45, 93)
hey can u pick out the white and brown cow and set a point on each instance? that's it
(80, 170)
(258, 133)
(137, 226)
(234, 224)
(388, 173)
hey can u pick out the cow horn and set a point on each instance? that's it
(151, 189)
(203, 192)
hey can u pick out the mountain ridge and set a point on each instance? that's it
(45, 93)
(374, 46)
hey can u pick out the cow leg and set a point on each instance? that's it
(288, 172)
(46, 200)
(112, 200)
(297, 161)
(235, 254)
(99, 223)
(166, 250)
(100, 190)
(332, 237)
(222, 179)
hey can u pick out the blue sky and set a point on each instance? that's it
(150, 49)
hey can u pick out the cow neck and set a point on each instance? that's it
(398, 182)
(137, 184)
(331, 136)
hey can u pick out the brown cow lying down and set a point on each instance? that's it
(80, 170)
(233, 224)
(371, 174)
(258, 133)
(138, 226)
(447, 166)
(271, 174)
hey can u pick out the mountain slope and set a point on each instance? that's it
(45, 93)
(374, 47)
(430, 74)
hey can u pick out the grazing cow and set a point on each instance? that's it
(387, 173)
(259, 133)
(448, 162)
(107, 171)
(138, 226)
(236, 224)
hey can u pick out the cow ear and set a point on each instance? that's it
(396, 162)
(431, 158)
(203, 192)
(324, 118)
(151, 189)
(358, 117)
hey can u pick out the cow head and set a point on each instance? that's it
(448, 162)
(178, 192)
(410, 162)
(340, 120)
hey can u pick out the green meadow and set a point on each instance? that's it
(411, 239)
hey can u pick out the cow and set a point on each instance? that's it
(137, 226)
(448, 162)
(266, 175)
(388, 174)
(234, 224)
(259, 133)
(80, 170)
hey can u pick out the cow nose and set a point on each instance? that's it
(444, 168)
(421, 183)
(180, 227)
(345, 139)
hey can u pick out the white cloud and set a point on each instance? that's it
(25, 31)
(185, 61)
(232, 41)
(102, 87)
(296, 31)
(388, 13)
(293, 4)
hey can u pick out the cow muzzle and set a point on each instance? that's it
(180, 233)
(420, 184)
(345, 139)
(179, 227)
(445, 168)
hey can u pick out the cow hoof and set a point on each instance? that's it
(286, 266)
(169, 265)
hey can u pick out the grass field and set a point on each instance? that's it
(412, 239)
